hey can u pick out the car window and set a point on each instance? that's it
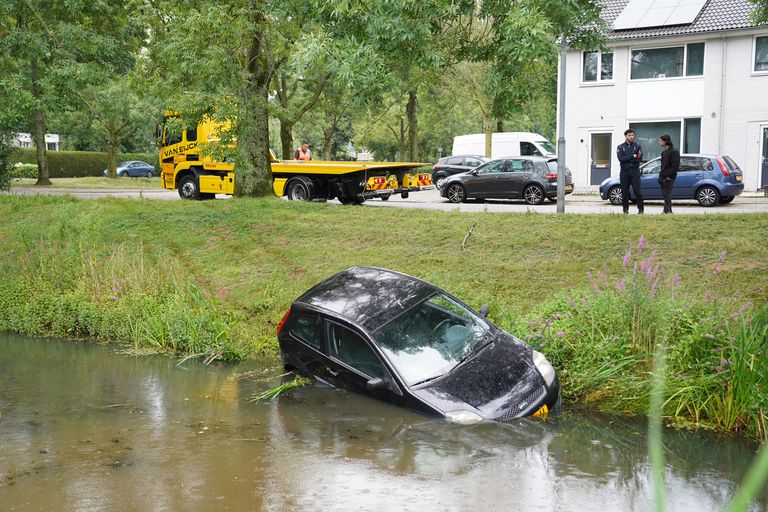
(350, 348)
(528, 149)
(428, 340)
(520, 166)
(454, 161)
(490, 167)
(732, 165)
(472, 162)
(691, 163)
(652, 167)
(309, 329)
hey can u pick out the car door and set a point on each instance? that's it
(305, 348)
(649, 180)
(483, 182)
(134, 169)
(353, 363)
(692, 170)
(519, 172)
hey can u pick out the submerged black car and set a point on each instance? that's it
(405, 341)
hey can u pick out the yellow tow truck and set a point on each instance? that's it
(186, 168)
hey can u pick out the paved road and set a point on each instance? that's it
(431, 200)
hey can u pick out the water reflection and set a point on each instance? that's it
(85, 428)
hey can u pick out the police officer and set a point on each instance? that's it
(630, 155)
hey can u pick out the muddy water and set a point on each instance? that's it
(85, 427)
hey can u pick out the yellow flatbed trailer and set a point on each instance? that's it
(197, 176)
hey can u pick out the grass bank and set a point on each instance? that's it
(597, 293)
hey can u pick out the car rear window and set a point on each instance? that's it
(454, 161)
(733, 166)
(309, 329)
(473, 162)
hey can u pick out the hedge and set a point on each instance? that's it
(74, 164)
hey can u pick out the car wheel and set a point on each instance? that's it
(440, 181)
(123, 174)
(385, 197)
(456, 193)
(298, 191)
(150, 174)
(614, 195)
(188, 187)
(708, 196)
(726, 199)
(533, 194)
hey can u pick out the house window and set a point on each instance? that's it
(691, 135)
(597, 66)
(761, 53)
(670, 62)
(647, 135)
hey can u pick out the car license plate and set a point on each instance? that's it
(738, 178)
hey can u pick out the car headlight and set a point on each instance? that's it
(544, 366)
(463, 417)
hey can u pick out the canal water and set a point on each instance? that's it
(88, 427)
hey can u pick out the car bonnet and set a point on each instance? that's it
(496, 380)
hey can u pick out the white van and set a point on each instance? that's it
(504, 144)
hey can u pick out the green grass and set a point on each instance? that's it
(212, 279)
(96, 183)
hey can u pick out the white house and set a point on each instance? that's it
(24, 140)
(695, 69)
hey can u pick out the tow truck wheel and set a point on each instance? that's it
(385, 197)
(298, 191)
(188, 187)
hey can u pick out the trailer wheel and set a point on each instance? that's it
(385, 197)
(298, 191)
(189, 187)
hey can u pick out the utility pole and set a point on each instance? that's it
(561, 129)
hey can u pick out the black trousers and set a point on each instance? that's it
(666, 192)
(627, 178)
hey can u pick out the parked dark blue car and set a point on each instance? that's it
(134, 169)
(709, 179)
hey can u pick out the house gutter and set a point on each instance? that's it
(724, 47)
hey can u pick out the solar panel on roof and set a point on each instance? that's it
(658, 13)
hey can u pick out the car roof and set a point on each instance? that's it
(368, 296)
(463, 156)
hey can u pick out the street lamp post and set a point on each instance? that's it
(561, 130)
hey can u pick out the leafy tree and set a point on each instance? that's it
(760, 14)
(52, 50)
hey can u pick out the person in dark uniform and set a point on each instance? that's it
(670, 164)
(630, 155)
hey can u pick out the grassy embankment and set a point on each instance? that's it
(214, 278)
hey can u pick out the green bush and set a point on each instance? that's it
(75, 164)
(19, 170)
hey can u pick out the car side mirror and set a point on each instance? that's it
(377, 383)
(484, 310)
(473, 172)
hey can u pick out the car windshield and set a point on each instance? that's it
(431, 338)
(547, 146)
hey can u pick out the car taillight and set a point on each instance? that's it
(723, 168)
(282, 321)
(552, 176)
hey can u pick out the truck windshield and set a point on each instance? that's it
(547, 147)
(431, 338)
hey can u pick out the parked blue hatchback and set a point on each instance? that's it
(709, 179)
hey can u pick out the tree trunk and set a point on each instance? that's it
(254, 173)
(112, 155)
(401, 141)
(499, 126)
(43, 178)
(488, 129)
(286, 139)
(328, 134)
(413, 127)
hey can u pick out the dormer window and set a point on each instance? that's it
(675, 61)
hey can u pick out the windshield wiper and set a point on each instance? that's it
(428, 379)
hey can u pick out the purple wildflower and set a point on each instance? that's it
(710, 336)
(569, 314)
(557, 316)
(560, 333)
(528, 336)
(620, 284)
(627, 258)
(722, 256)
(594, 283)
(641, 244)
(676, 279)
(583, 302)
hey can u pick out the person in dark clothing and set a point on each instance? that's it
(670, 164)
(630, 155)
